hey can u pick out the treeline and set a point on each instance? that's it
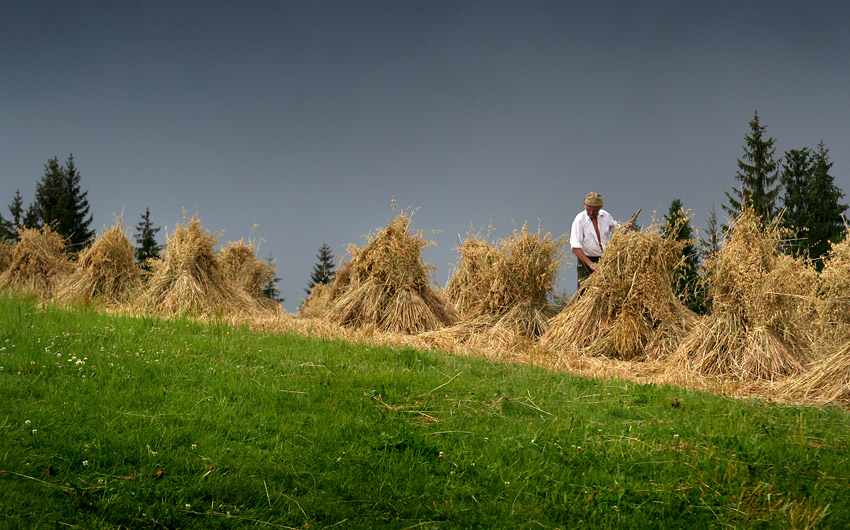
(796, 191)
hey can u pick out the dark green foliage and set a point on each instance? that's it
(711, 244)
(270, 289)
(60, 202)
(323, 271)
(9, 228)
(147, 247)
(757, 173)
(686, 278)
(812, 202)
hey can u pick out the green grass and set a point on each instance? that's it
(113, 422)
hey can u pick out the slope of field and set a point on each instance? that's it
(114, 422)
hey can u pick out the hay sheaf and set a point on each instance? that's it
(106, 271)
(39, 263)
(318, 303)
(825, 381)
(760, 326)
(386, 285)
(241, 268)
(189, 280)
(627, 308)
(833, 302)
(6, 250)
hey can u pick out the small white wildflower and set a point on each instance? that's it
(27, 422)
(35, 431)
(441, 454)
(85, 463)
(188, 506)
(194, 446)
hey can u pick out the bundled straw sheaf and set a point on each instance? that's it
(760, 326)
(501, 291)
(105, 272)
(825, 381)
(241, 268)
(627, 308)
(6, 249)
(189, 280)
(833, 305)
(318, 303)
(38, 263)
(386, 285)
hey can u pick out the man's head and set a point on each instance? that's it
(592, 204)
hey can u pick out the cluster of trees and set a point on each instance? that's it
(61, 203)
(796, 190)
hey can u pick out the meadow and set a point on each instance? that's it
(138, 422)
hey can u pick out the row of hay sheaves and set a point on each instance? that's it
(774, 319)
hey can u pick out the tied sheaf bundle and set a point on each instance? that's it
(826, 380)
(761, 324)
(501, 290)
(241, 268)
(386, 285)
(38, 263)
(105, 272)
(6, 249)
(318, 303)
(833, 302)
(627, 308)
(189, 280)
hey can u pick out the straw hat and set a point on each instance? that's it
(593, 199)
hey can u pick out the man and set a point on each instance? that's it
(591, 231)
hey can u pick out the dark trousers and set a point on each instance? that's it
(584, 271)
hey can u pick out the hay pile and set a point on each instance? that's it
(318, 303)
(760, 326)
(241, 269)
(386, 285)
(6, 249)
(826, 381)
(501, 290)
(189, 280)
(626, 309)
(833, 303)
(105, 272)
(38, 263)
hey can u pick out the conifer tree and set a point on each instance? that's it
(7, 229)
(757, 173)
(270, 289)
(76, 219)
(813, 210)
(60, 202)
(146, 246)
(16, 208)
(711, 244)
(686, 280)
(323, 271)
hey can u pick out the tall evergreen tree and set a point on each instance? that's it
(812, 201)
(323, 271)
(711, 243)
(7, 229)
(686, 280)
(757, 173)
(76, 218)
(146, 245)
(270, 289)
(60, 202)
(16, 208)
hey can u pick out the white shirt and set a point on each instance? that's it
(583, 236)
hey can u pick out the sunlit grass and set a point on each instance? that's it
(113, 422)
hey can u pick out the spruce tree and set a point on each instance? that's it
(686, 280)
(146, 246)
(16, 208)
(711, 244)
(757, 173)
(323, 271)
(7, 229)
(269, 288)
(812, 202)
(60, 202)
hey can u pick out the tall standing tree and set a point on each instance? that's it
(270, 289)
(60, 202)
(812, 202)
(7, 229)
(711, 244)
(323, 270)
(16, 208)
(686, 279)
(147, 247)
(758, 175)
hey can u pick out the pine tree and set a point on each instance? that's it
(686, 280)
(757, 173)
(146, 245)
(711, 244)
(7, 229)
(270, 289)
(812, 202)
(16, 208)
(323, 271)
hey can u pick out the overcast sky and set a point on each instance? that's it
(307, 118)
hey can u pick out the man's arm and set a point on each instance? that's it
(583, 258)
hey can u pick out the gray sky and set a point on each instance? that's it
(306, 118)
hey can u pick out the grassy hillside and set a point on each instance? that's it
(113, 422)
